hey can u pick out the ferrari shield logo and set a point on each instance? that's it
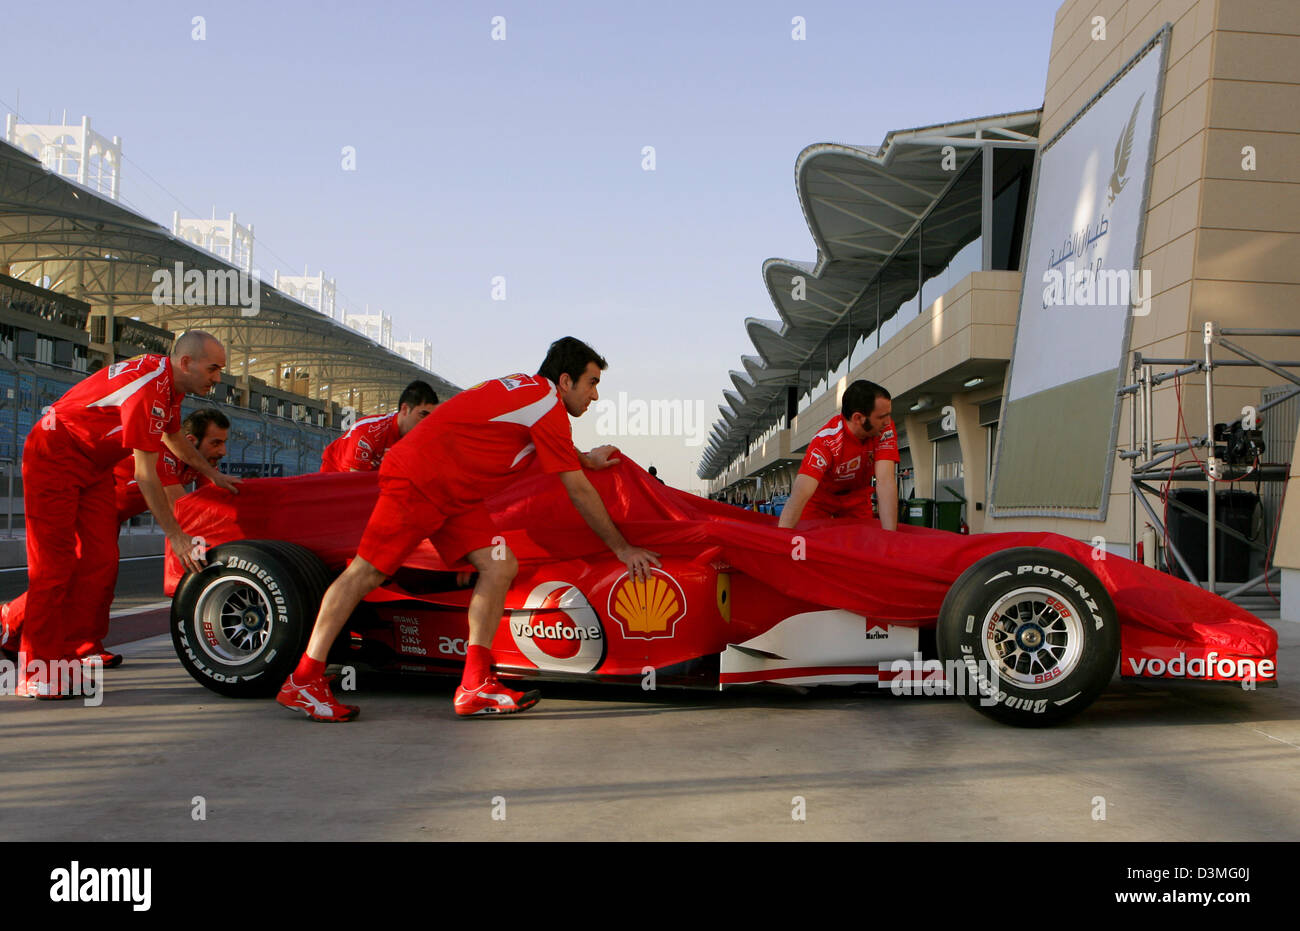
(517, 381)
(649, 609)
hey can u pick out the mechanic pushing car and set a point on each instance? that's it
(857, 444)
(129, 407)
(362, 448)
(433, 485)
(206, 430)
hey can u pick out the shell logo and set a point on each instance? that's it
(649, 609)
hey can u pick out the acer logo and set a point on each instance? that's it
(452, 646)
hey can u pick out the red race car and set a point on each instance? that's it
(1028, 627)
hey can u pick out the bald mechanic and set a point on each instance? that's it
(362, 448)
(128, 408)
(207, 430)
(856, 445)
(433, 485)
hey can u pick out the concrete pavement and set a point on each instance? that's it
(597, 763)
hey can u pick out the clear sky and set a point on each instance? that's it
(522, 158)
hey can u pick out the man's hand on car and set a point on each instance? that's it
(230, 483)
(189, 550)
(599, 458)
(638, 560)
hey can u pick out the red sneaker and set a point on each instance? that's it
(40, 686)
(8, 639)
(493, 698)
(314, 699)
(107, 660)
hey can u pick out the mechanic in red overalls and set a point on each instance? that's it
(433, 484)
(207, 430)
(362, 448)
(209, 424)
(856, 445)
(128, 407)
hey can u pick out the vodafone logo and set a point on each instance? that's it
(558, 630)
(818, 459)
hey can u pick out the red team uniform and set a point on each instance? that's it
(362, 448)
(130, 502)
(171, 471)
(844, 468)
(72, 520)
(434, 482)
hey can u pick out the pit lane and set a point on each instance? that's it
(600, 763)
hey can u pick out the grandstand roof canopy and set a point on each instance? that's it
(862, 205)
(96, 250)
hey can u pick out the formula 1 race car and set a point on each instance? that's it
(1028, 627)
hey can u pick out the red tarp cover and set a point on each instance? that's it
(900, 576)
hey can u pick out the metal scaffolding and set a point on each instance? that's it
(1149, 455)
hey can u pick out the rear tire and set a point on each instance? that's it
(1035, 633)
(240, 625)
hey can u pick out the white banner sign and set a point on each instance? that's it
(1081, 275)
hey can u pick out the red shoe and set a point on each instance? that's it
(493, 698)
(106, 660)
(8, 640)
(40, 687)
(314, 699)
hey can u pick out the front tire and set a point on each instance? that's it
(240, 625)
(1034, 636)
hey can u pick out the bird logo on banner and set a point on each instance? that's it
(1123, 150)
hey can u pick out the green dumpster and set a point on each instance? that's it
(947, 516)
(917, 511)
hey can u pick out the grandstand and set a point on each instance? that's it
(79, 274)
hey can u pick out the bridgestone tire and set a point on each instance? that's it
(1034, 636)
(241, 624)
